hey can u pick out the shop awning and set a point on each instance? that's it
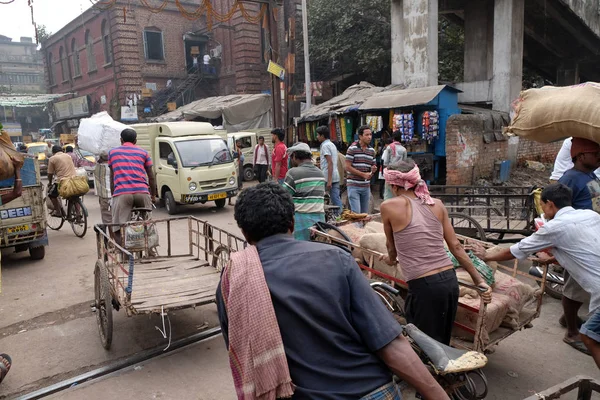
(29, 100)
(348, 101)
(403, 98)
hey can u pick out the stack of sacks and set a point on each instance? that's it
(508, 307)
(376, 241)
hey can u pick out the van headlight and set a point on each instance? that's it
(193, 186)
(232, 181)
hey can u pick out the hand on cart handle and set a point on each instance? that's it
(387, 260)
(543, 258)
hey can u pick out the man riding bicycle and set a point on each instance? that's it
(61, 165)
(132, 180)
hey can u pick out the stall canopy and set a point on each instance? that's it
(239, 111)
(400, 98)
(28, 100)
(350, 100)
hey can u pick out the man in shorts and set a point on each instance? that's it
(132, 179)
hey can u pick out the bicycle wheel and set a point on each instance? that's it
(54, 223)
(77, 217)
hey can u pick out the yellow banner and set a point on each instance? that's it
(276, 70)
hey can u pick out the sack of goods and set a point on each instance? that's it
(141, 236)
(99, 133)
(554, 113)
(9, 157)
(74, 186)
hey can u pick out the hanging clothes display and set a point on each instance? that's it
(430, 127)
(349, 130)
(375, 122)
(406, 125)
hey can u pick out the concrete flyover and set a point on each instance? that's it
(559, 39)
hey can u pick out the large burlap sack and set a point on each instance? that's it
(9, 157)
(135, 236)
(376, 242)
(374, 227)
(554, 113)
(74, 186)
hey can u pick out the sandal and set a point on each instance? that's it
(578, 345)
(5, 364)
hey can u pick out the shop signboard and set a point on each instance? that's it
(73, 108)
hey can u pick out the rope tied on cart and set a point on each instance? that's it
(409, 180)
(256, 354)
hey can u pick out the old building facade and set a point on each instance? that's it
(112, 55)
(21, 66)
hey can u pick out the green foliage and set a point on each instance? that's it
(42, 33)
(451, 51)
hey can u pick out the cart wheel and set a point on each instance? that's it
(221, 258)
(103, 300)
(467, 226)
(54, 223)
(552, 289)
(78, 218)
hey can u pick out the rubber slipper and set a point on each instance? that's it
(7, 358)
(578, 345)
(3, 367)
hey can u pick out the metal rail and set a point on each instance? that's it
(120, 365)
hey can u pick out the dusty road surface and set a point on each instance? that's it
(47, 326)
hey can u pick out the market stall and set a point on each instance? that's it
(421, 115)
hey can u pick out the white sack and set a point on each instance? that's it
(99, 133)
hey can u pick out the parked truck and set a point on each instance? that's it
(192, 163)
(23, 221)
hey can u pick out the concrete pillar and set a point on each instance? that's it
(508, 52)
(479, 44)
(414, 42)
(567, 73)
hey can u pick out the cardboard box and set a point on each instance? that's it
(172, 106)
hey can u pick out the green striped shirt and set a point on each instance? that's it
(306, 184)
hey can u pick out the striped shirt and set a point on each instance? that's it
(129, 163)
(306, 184)
(362, 160)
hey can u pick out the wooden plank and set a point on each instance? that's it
(169, 298)
(168, 264)
(175, 270)
(177, 285)
(146, 297)
(158, 283)
(141, 294)
(181, 304)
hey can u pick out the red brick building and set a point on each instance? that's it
(112, 55)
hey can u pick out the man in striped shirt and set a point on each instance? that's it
(306, 184)
(132, 180)
(360, 166)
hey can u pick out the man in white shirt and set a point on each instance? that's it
(393, 154)
(261, 160)
(564, 162)
(329, 162)
(574, 236)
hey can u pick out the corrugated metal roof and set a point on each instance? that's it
(29, 100)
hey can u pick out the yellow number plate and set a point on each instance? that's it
(18, 229)
(217, 196)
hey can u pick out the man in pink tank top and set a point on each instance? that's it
(416, 227)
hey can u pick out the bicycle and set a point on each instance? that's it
(76, 215)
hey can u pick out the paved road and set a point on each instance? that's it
(46, 324)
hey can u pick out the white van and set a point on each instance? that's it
(192, 163)
(249, 140)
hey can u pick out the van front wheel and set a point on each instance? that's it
(170, 204)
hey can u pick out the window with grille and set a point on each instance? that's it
(153, 45)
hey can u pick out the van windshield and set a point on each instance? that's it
(37, 149)
(199, 152)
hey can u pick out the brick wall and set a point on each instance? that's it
(534, 151)
(469, 158)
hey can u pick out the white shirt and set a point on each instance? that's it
(564, 161)
(329, 149)
(394, 153)
(261, 152)
(206, 59)
(574, 236)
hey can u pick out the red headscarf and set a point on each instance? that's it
(409, 180)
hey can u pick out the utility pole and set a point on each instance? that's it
(306, 57)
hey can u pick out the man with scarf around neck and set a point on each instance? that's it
(416, 227)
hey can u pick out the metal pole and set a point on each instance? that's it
(306, 58)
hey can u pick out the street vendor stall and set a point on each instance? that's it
(421, 115)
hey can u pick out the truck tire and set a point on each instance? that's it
(37, 253)
(249, 173)
(170, 203)
(220, 203)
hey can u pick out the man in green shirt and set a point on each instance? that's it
(306, 184)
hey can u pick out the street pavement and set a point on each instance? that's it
(49, 329)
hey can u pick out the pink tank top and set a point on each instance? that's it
(420, 246)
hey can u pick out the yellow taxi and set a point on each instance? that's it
(39, 149)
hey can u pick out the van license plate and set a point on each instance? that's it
(217, 196)
(18, 229)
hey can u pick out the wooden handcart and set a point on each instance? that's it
(144, 282)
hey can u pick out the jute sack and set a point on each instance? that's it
(73, 186)
(9, 157)
(554, 113)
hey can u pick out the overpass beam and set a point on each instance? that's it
(509, 16)
(414, 42)
(479, 31)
